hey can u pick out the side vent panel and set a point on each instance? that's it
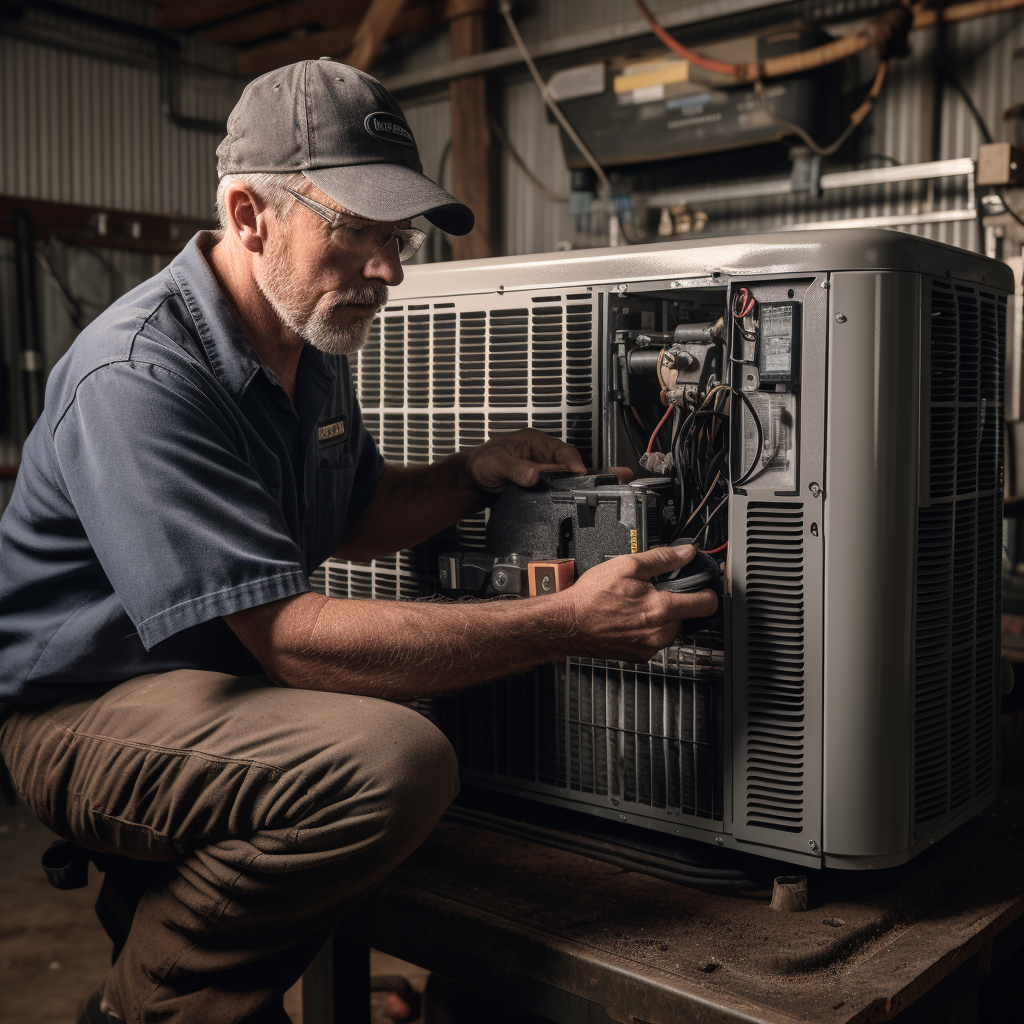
(959, 537)
(775, 699)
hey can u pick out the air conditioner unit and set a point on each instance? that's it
(844, 711)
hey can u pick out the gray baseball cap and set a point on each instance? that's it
(344, 131)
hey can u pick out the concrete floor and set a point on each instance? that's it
(53, 952)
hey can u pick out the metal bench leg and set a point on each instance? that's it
(336, 985)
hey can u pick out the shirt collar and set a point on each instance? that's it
(233, 360)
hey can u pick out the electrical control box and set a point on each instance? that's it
(661, 107)
(821, 413)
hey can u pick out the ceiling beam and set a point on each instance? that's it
(506, 58)
(191, 13)
(372, 32)
(333, 42)
(284, 17)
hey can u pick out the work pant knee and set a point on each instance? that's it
(420, 773)
(379, 785)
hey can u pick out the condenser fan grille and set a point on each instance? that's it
(642, 736)
(435, 378)
(959, 537)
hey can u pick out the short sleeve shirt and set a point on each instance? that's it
(170, 481)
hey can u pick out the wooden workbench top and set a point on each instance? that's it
(513, 917)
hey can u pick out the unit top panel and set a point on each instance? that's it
(804, 252)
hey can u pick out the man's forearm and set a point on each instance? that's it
(412, 503)
(403, 650)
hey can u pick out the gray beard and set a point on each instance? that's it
(324, 324)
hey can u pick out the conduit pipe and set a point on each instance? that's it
(886, 33)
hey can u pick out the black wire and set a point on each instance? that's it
(629, 432)
(760, 440)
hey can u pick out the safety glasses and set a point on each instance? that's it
(362, 238)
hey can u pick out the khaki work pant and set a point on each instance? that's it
(269, 811)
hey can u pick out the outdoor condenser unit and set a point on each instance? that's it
(844, 713)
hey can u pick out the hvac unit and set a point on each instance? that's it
(834, 436)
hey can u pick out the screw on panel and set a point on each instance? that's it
(720, 841)
(623, 288)
(500, 579)
(815, 489)
(824, 284)
(840, 318)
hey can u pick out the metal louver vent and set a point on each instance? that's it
(775, 724)
(435, 378)
(959, 535)
(646, 735)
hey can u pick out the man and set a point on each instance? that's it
(175, 693)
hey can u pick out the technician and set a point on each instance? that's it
(174, 691)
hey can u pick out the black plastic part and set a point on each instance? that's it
(586, 518)
(701, 573)
(643, 361)
(66, 865)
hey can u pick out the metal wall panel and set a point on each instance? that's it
(80, 128)
(531, 222)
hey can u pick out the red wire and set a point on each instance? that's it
(745, 306)
(650, 444)
(714, 551)
(673, 44)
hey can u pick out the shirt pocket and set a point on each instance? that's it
(336, 470)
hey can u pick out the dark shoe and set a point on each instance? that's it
(90, 1012)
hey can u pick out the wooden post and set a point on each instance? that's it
(471, 165)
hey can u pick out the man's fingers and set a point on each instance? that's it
(646, 564)
(622, 473)
(526, 474)
(552, 450)
(689, 606)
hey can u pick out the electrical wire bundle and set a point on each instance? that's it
(700, 450)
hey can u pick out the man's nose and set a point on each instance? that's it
(385, 266)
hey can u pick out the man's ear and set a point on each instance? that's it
(246, 217)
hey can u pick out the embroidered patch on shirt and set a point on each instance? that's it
(333, 432)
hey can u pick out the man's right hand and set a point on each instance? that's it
(616, 612)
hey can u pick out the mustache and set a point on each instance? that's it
(372, 294)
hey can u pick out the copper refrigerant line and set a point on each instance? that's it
(886, 33)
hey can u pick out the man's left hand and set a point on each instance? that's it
(520, 458)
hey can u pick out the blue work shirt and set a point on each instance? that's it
(170, 481)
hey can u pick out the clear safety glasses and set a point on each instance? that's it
(363, 238)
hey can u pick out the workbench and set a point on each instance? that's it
(580, 941)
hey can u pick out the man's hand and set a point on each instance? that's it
(520, 458)
(618, 614)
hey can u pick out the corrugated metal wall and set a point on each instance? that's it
(84, 129)
(81, 128)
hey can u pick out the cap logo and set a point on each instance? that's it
(389, 128)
